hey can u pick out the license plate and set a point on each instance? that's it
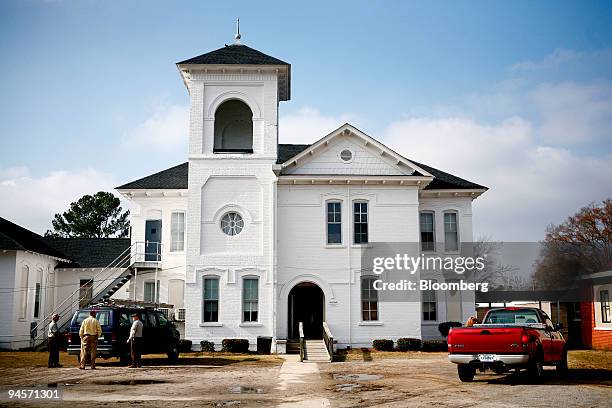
(486, 358)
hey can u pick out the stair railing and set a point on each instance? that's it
(100, 281)
(302, 343)
(328, 338)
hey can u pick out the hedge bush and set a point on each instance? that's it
(235, 345)
(207, 346)
(408, 344)
(184, 345)
(445, 327)
(434, 345)
(383, 345)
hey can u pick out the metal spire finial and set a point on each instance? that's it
(237, 36)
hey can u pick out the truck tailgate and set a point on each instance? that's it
(486, 340)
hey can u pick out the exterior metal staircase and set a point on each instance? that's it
(105, 283)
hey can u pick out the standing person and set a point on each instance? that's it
(89, 333)
(54, 339)
(135, 341)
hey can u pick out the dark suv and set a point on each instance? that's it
(160, 336)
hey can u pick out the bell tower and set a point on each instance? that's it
(233, 138)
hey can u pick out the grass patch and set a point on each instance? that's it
(33, 359)
(590, 359)
(365, 354)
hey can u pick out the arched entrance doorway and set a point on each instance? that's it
(306, 305)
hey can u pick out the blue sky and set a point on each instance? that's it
(91, 97)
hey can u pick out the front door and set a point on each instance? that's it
(153, 240)
(306, 304)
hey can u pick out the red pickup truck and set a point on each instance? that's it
(509, 338)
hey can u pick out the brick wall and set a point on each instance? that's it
(592, 337)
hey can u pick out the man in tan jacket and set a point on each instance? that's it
(89, 333)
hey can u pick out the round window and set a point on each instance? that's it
(232, 223)
(346, 155)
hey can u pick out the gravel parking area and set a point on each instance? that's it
(363, 379)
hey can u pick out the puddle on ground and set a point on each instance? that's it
(239, 389)
(129, 382)
(346, 387)
(357, 377)
(227, 403)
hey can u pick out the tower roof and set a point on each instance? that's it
(235, 54)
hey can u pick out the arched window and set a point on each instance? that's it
(233, 128)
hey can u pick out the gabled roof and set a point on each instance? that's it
(89, 252)
(232, 55)
(348, 129)
(176, 177)
(16, 238)
(74, 252)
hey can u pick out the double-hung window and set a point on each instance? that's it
(211, 300)
(429, 305)
(427, 231)
(250, 299)
(451, 237)
(151, 292)
(334, 222)
(604, 299)
(177, 231)
(369, 299)
(360, 222)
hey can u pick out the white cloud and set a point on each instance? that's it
(308, 125)
(33, 201)
(531, 185)
(167, 128)
(565, 58)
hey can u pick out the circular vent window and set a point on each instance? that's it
(232, 223)
(346, 155)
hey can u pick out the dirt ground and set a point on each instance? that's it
(363, 379)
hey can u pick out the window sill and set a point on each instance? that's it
(176, 252)
(251, 324)
(335, 246)
(361, 246)
(608, 328)
(371, 323)
(429, 323)
(211, 324)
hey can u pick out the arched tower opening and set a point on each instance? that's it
(233, 128)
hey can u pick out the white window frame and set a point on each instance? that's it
(446, 249)
(204, 299)
(327, 223)
(24, 291)
(155, 291)
(369, 299)
(244, 300)
(353, 229)
(604, 304)
(428, 301)
(174, 234)
(433, 220)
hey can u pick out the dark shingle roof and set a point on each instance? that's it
(176, 177)
(172, 178)
(90, 252)
(445, 181)
(234, 54)
(81, 252)
(16, 238)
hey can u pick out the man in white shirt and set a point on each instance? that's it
(135, 341)
(54, 339)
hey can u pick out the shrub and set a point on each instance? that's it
(434, 345)
(445, 327)
(383, 345)
(235, 345)
(207, 346)
(184, 345)
(408, 344)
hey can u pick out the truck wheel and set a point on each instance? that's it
(535, 368)
(562, 368)
(466, 372)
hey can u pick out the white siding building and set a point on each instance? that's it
(267, 235)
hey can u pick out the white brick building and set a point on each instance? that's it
(266, 235)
